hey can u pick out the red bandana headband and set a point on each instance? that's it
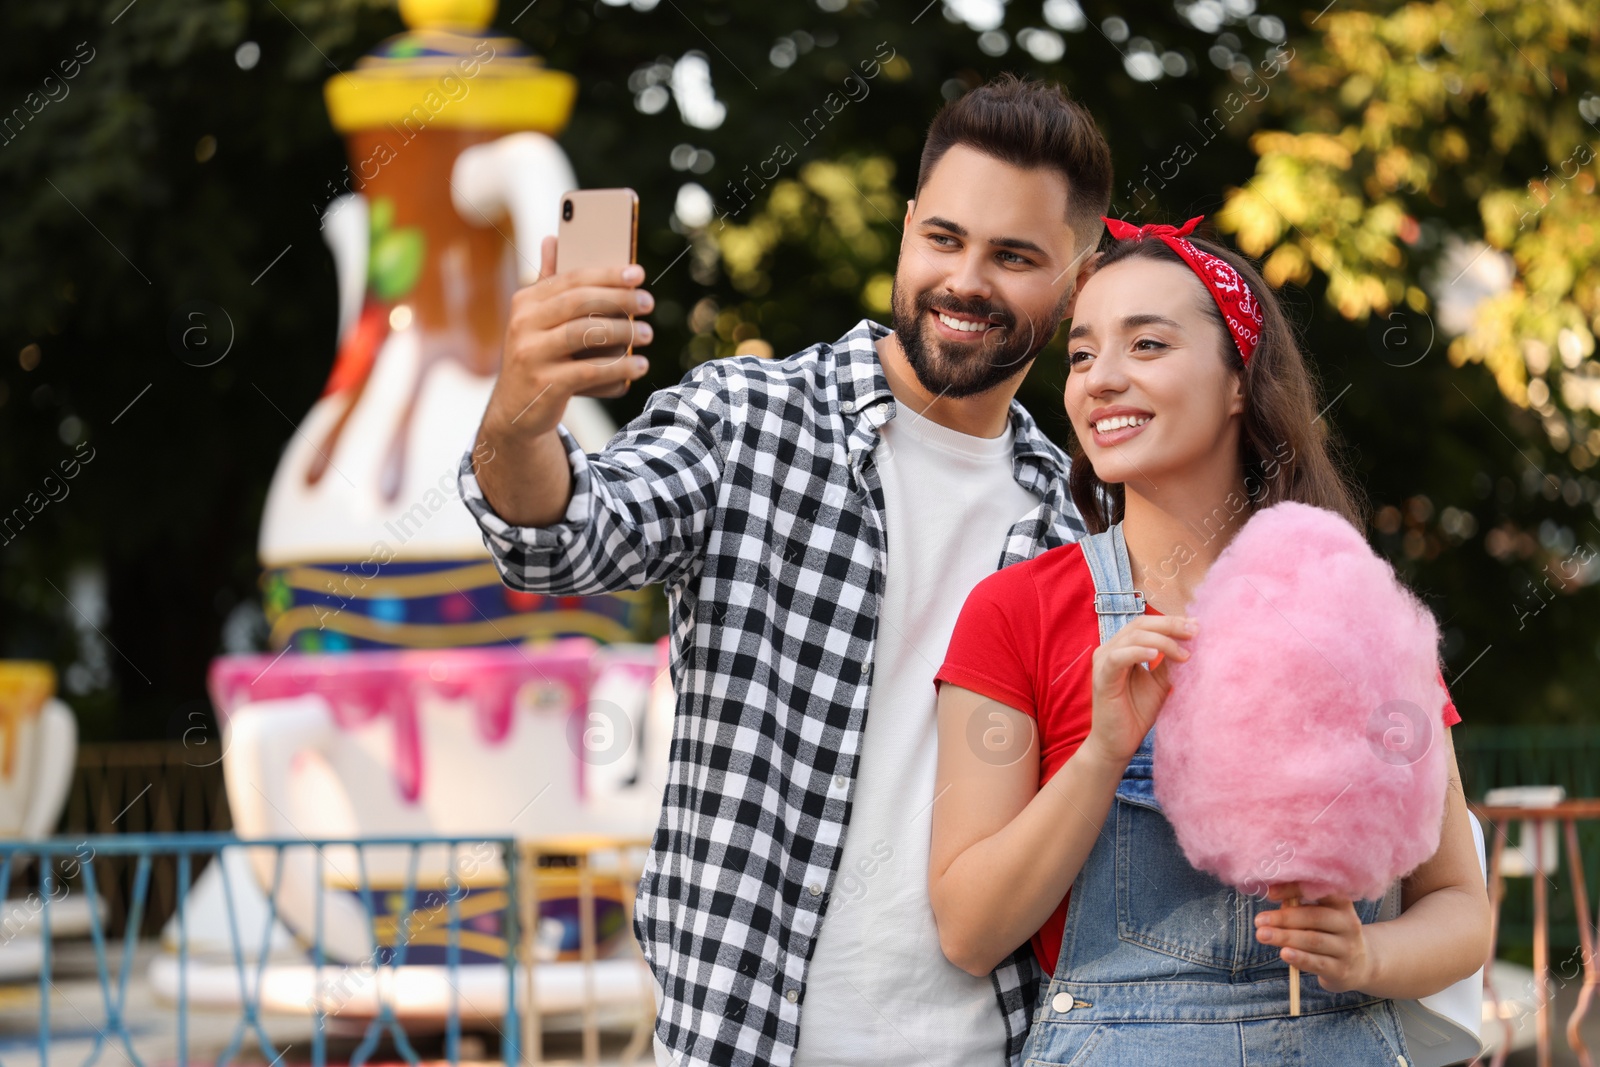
(1238, 304)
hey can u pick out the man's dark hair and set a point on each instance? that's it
(1030, 123)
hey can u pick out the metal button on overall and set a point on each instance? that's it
(1062, 1002)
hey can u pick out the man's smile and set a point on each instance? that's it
(960, 327)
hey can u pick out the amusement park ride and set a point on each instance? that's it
(428, 727)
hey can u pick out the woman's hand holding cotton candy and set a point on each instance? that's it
(1127, 697)
(1325, 938)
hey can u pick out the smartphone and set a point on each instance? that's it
(599, 228)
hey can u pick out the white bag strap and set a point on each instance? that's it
(1444, 1028)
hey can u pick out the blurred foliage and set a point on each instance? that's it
(843, 217)
(1399, 114)
(1439, 158)
(193, 148)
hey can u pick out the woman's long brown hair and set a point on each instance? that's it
(1286, 451)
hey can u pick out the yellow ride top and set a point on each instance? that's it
(24, 687)
(448, 71)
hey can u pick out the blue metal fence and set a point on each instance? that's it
(61, 859)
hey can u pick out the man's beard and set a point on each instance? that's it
(947, 368)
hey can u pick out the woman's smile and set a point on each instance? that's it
(1114, 425)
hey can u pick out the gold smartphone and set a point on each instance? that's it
(599, 228)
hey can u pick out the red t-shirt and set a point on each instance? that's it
(1026, 637)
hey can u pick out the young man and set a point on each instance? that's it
(818, 522)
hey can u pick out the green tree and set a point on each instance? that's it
(1437, 159)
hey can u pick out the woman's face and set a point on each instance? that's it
(1148, 391)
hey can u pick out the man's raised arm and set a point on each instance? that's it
(555, 519)
(568, 335)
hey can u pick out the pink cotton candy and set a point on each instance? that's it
(1303, 741)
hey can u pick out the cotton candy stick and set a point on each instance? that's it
(1294, 972)
(1303, 738)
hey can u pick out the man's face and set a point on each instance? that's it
(986, 272)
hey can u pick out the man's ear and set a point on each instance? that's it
(1090, 262)
(911, 209)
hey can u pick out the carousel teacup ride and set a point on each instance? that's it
(38, 750)
(532, 743)
(384, 714)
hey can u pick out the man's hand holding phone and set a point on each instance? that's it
(569, 335)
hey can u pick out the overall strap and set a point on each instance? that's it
(1116, 601)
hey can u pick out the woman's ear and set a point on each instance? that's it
(1236, 403)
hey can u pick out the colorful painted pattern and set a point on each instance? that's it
(482, 909)
(432, 44)
(337, 607)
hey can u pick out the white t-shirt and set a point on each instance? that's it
(879, 989)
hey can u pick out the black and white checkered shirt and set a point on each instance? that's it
(751, 492)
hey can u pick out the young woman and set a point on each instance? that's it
(1192, 407)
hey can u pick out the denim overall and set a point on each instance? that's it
(1159, 962)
